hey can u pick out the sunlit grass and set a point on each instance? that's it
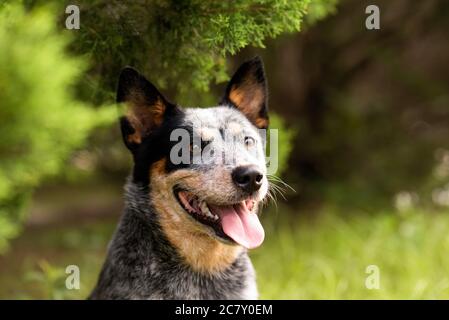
(324, 256)
(327, 258)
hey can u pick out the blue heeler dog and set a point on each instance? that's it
(189, 219)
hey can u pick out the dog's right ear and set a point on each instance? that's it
(145, 107)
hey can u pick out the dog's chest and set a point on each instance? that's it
(182, 283)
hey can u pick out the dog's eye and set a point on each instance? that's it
(249, 142)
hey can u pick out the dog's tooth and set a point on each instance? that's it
(204, 208)
(213, 216)
(196, 205)
(209, 214)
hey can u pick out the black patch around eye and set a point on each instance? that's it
(155, 147)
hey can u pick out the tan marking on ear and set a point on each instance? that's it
(144, 118)
(248, 98)
(262, 123)
(136, 123)
(158, 110)
(198, 249)
(134, 138)
(237, 96)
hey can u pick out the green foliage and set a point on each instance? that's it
(327, 257)
(372, 114)
(40, 120)
(319, 9)
(51, 279)
(180, 45)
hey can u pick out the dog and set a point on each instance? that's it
(187, 225)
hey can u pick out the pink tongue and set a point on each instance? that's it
(241, 225)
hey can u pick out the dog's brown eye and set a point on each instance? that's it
(249, 142)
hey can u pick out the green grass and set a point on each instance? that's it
(320, 257)
(327, 258)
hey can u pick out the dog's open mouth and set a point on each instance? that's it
(236, 222)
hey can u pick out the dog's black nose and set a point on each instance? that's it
(249, 178)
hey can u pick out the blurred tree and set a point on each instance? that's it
(182, 45)
(40, 120)
(371, 107)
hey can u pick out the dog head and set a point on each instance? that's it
(205, 167)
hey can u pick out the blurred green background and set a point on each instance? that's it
(364, 132)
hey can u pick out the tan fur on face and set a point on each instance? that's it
(198, 248)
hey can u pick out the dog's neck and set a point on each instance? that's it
(198, 251)
(143, 264)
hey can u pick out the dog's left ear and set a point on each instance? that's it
(247, 91)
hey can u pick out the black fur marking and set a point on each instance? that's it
(127, 130)
(222, 133)
(157, 146)
(130, 81)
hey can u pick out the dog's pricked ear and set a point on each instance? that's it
(145, 106)
(247, 91)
